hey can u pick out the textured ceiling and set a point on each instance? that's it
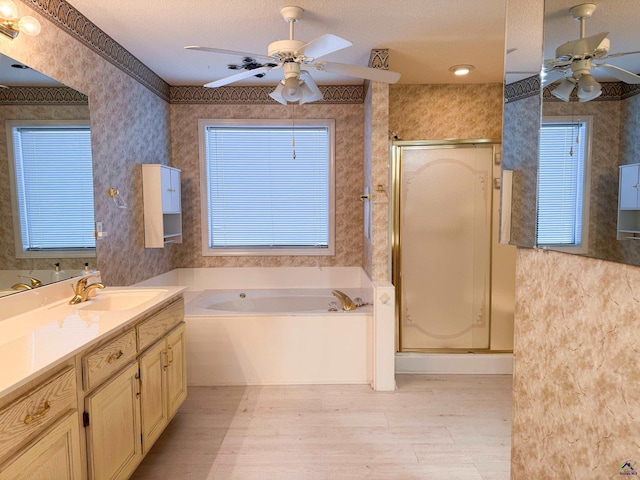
(425, 37)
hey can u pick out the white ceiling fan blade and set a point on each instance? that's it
(614, 55)
(375, 74)
(256, 56)
(324, 45)
(311, 92)
(620, 73)
(549, 77)
(237, 76)
(581, 46)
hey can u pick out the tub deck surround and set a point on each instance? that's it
(306, 344)
(46, 330)
(282, 301)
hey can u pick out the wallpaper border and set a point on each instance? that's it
(259, 94)
(42, 96)
(530, 86)
(80, 27)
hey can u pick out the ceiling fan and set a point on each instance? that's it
(291, 56)
(575, 59)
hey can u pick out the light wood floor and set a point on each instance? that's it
(433, 427)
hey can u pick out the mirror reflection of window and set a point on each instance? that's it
(563, 184)
(52, 188)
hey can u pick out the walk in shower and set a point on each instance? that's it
(443, 214)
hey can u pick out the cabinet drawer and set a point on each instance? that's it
(157, 326)
(36, 410)
(108, 359)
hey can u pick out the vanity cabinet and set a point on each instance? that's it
(41, 429)
(134, 384)
(112, 415)
(163, 384)
(629, 202)
(162, 207)
(55, 456)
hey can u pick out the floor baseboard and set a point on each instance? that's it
(455, 363)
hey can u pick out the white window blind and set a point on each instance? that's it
(561, 181)
(54, 188)
(260, 196)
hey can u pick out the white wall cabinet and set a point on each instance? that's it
(629, 202)
(162, 206)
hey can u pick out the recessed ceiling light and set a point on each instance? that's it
(461, 69)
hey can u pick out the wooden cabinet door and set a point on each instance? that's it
(114, 445)
(55, 456)
(177, 371)
(153, 393)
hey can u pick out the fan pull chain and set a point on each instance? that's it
(293, 129)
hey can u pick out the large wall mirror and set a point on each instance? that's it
(601, 132)
(46, 197)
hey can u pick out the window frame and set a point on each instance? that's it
(203, 124)
(10, 125)
(583, 247)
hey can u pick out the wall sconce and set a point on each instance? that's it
(11, 25)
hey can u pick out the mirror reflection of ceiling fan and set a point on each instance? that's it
(293, 56)
(575, 59)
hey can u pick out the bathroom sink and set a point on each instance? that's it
(115, 300)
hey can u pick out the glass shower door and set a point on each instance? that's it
(444, 252)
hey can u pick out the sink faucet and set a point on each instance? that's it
(347, 303)
(33, 283)
(82, 290)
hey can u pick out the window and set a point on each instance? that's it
(563, 184)
(267, 187)
(52, 188)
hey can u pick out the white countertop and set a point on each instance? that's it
(34, 341)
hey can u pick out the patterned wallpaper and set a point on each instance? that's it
(520, 154)
(576, 378)
(349, 173)
(433, 112)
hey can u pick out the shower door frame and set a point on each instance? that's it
(396, 241)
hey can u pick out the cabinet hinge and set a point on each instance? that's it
(85, 419)
(138, 374)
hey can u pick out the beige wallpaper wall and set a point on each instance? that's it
(577, 367)
(520, 154)
(349, 173)
(434, 112)
(8, 259)
(129, 125)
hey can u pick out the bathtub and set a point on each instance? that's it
(298, 301)
(272, 326)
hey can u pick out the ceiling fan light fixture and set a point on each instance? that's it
(563, 91)
(460, 70)
(291, 90)
(588, 84)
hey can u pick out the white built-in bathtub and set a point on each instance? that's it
(248, 326)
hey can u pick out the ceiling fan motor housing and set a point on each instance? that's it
(285, 49)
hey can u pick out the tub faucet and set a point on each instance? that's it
(82, 290)
(347, 303)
